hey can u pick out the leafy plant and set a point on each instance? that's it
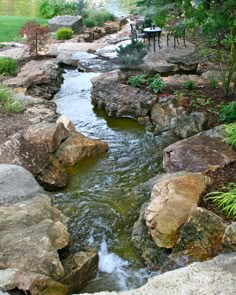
(64, 33)
(228, 112)
(137, 81)
(36, 36)
(225, 200)
(89, 23)
(132, 53)
(230, 134)
(189, 84)
(8, 66)
(7, 104)
(213, 82)
(51, 8)
(156, 83)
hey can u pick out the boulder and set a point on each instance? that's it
(197, 154)
(67, 123)
(79, 269)
(216, 276)
(38, 284)
(166, 111)
(229, 239)
(201, 236)
(42, 78)
(53, 176)
(65, 21)
(30, 235)
(172, 199)
(192, 124)
(17, 150)
(48, 135)
(16, 183)
(7, 281)
(77, 146)
(120, 100)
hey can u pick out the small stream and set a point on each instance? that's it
(99, 200)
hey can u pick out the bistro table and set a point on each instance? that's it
(152, 32)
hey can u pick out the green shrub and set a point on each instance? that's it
(2, 45)
(132, 53)
(93, 17)
(51, 8)
(230, 134)
(228, 112)
(64, 34)
(225, 199)
(7, 104)
(189, 84)
(137, 81)
(89, 23)
(213, 82)
(8, 66)
(156, 83)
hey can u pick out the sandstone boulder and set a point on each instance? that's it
(172, 199)
(17, 150)
(30, 235)
(77, 147)
(79, 269)
(229, 239)
(67, 123)
(216, 276)
(48, 135)
(38, 284)
(192, 124)
(201, 237)
(42, 78)
(166, 111)
(120, 100)
(65, 21)
(197, 154)
(16, 184)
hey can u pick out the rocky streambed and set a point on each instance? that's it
(171, 231)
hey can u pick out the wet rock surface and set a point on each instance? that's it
(197, 154)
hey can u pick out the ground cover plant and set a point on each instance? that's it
(153, 83)
(8, 66)
(11, 25)
(7, 103)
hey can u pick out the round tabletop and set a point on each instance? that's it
(152, 30)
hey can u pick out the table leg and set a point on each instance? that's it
(154, 43)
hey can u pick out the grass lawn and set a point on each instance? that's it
(11, 25)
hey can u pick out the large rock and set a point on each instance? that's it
(216, 276)
(53, 176)
(30, 235)
(77, 147)
(38, 284)
(120, 100)
(7, 281)
(17, 150)
(229, 239)
(65, 21)
(41, 78)
(197, 154)
(79, 269)
(16, 184)
(200, 238)
(172, 198)
(192, 124)
(166, 111)
(48, 135)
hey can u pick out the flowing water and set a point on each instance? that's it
(31, 7)
(99, 200)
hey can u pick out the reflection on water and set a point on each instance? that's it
(99, 200)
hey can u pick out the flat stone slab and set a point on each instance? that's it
(65, 21)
